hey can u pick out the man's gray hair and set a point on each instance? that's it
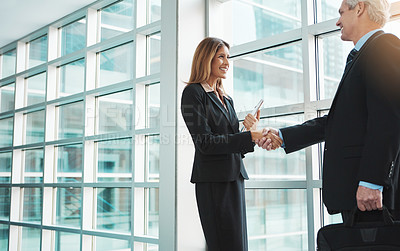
(378, 10)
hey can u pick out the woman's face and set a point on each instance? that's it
(220, 64)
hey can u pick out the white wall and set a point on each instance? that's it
(191, 30)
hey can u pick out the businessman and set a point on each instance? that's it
(362, 130)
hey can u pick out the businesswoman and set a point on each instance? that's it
(218, 170)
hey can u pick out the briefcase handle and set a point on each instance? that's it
(387, 217)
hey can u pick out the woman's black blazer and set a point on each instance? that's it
(219, 146)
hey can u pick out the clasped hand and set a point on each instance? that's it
(267, 138)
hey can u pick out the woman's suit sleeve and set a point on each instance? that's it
(207, 130)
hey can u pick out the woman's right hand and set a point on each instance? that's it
(250, 122)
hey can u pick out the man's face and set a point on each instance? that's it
(347, 21)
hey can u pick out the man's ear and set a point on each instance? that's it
(361, 7)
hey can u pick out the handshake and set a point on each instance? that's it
(267, 138)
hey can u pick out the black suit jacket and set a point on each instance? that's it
(219, 146)
(362, 130)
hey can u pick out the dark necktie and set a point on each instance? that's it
(350, 57)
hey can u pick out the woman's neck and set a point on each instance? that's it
(212, 83)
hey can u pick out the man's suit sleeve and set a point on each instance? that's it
(300, 136)
(382, 142)
(194, 114)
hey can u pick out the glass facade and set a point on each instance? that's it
(68, 159)
(84, 107)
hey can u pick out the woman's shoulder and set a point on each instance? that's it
(193, 89)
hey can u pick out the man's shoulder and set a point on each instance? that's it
(386, 39)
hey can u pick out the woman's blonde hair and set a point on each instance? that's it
(201, 64)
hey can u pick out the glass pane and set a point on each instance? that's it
(116, 65)
(393, 27)
(67, 242)
(155, 10)
(154, 53)
(71, 78)
(153, 105)
(153, 212)
(69, 202)
(69, 163)
(4, 237)
(35, 89)
(5, 167)
(115, 112)
(277, 165)
(277, 219)
(6, 131)
(9, 63)
(108, 244)
(116, 19)
(262, 18)
(37, 51)
(5, 201)
(114, 209)
(274, 75)
(141, 246)
(331, 65)
(328, 9)
(34, 127)
(32, 205)
(73, 37)
(7, 97)
(30, 239)
(154, 157)
(114, 160)
(71, 121)
(34, 163)
(147, 211)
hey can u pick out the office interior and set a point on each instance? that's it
(94, 153)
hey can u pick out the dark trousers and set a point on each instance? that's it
(222, 210)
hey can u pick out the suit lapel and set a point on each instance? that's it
(232, 115)
(354, 61)
(227, 113)
(218, 103)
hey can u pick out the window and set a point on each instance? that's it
(73, 37)
(35, 89)
(260, 18)
(7, 97)
(9, 63)
(116, 19)
(115, 65)
(332, 59)
(115, 112)
(69, 163)
(6, 126)
(34, 127)
(70, 123)
(68, 166)
(5, 167)
(71, 78)
(34, 163)
(275, 75)
(37, 51)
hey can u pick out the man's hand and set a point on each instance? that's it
(368, 199)
(271, 139)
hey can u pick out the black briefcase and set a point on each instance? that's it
(360, 236)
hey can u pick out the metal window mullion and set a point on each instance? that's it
(309, 77)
